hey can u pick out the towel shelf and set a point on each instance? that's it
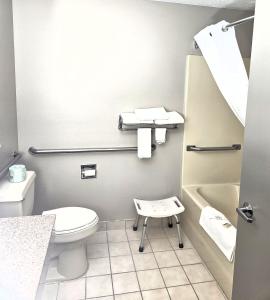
(35, 151)
(126, 127)
(15, 157)
(204, 149)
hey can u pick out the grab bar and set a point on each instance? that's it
(35, 151)
(203, 149)
(4, 170)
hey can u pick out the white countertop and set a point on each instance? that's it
(23, 246)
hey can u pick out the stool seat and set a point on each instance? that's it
(159, 208)
(165, 208)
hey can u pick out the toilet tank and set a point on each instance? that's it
(17, 199)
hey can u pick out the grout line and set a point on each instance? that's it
(110, 263)
(135, 271)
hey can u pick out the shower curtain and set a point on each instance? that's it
(221, 52)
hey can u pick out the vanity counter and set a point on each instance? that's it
(23, 246)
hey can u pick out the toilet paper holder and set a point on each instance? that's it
(88, 171)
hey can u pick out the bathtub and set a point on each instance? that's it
(225, 198)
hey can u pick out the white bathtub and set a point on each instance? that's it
(225, 198)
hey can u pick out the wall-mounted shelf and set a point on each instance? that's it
(172, 123)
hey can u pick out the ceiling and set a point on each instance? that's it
(233, 4)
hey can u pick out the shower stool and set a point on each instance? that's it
(165, 208)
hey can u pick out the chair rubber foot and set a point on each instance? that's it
(170, 225)
(141, 249)
(135, 228)
(181, 245)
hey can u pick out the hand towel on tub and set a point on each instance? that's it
(219, 228)
(222, 54)
(144, 141)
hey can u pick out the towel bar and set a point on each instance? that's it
(35, 151)
(204, 149)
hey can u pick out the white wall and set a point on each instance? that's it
(8, 116)
(78, 65)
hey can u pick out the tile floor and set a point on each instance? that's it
(117, 271)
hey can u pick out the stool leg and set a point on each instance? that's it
(135, 226)
(141, 248)
(181, 245)
(170, 223)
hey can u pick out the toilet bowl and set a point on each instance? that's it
(72, 224)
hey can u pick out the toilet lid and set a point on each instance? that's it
(72, 218)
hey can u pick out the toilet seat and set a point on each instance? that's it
(72, 223)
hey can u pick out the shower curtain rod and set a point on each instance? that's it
(226, 27)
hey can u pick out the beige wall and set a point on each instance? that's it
(78, 65)
(209, 122)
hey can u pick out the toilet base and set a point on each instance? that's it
(72, 262)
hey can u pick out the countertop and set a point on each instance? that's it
(23, 246)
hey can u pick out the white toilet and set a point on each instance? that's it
(72, 224)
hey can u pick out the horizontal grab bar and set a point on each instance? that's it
(35, 151)
(15, 158)
(203, 149)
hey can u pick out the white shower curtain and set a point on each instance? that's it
(221, 52)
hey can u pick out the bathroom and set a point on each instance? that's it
(71, 73)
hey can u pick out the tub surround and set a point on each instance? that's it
(209, 178)
(23, 246)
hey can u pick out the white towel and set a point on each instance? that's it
(151, 114)
(160, 135)
(144, 142)
(222, 54)
(131, 119)
(173, 118)
(221, 231)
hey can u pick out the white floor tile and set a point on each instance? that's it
(118, 249)
(134, 235)
(129, 296)
(98, 266)
(188, 256)
(134, 246)
(116, 225)
(197, 273)
(98, 286)
(160, 294)
(166, 259)
(174, 276)
(115, 236)
(184, 292)
(72, 289)
(208, 291)
(120, 264)
(150, 279)
(125, 283)
(160, 245)
(145, 261)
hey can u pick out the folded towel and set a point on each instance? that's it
(144, 142)
(173, 118)
(150, 114)
(160, 135)
(221, 231)
(131, 119)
